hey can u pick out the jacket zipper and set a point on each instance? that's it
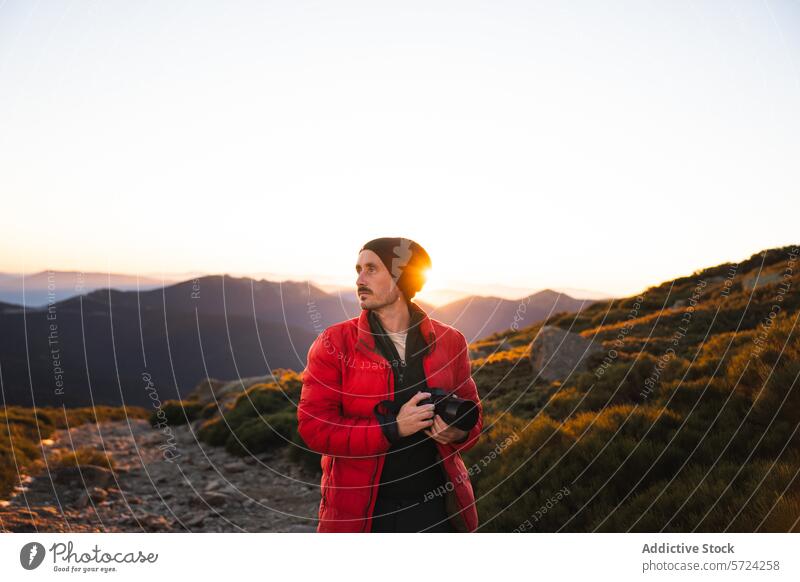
(373, 487)
(389, 394)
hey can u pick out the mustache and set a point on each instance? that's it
(364, 290)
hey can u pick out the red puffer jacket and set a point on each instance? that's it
(344, 379)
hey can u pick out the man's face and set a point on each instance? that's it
(374, 286)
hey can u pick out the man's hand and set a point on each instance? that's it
(413, 418)
(443, 433)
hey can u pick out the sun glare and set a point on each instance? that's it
(431, 281)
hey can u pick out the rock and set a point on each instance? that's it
(555, 353)
(155, 523)
(197, 520)
(194, 494)
(98, 494)
(212, 498)
(222, 393)
(86, 475)
(147, 521)
(235, 467)
(216, 499)
(299, 528)
(205, 390)
(128, 520)
(47, 510)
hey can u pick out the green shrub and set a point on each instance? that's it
(257, 435)
(177, 412)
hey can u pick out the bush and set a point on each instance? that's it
(82, 457)
(177, 412)
(258, 435)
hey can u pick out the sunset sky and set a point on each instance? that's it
(597, 146)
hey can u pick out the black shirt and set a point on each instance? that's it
(412, 467)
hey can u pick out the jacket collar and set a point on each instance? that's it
(366, 339)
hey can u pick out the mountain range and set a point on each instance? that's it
(96, 347)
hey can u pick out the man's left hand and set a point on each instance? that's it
(443, 433)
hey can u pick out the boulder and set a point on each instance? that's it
(556, 353)
(206, 390)
(86, 475)
(221, 393)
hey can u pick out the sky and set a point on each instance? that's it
(526, 145)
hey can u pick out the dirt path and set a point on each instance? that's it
(205, 489)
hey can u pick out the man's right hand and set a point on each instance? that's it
(413, 418)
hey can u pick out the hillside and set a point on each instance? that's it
(686, 419)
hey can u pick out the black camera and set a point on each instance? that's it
(454, 411)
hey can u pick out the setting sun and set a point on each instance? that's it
(431, 282)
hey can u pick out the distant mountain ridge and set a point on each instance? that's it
(40, 289)
(216, 325)
(477, 317)
(105, 340)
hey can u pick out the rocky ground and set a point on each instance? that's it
(205, 489)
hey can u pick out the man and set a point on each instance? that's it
(388, 462)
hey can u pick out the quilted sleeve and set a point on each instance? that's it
(320, 421)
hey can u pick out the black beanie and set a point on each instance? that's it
(405, 260)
